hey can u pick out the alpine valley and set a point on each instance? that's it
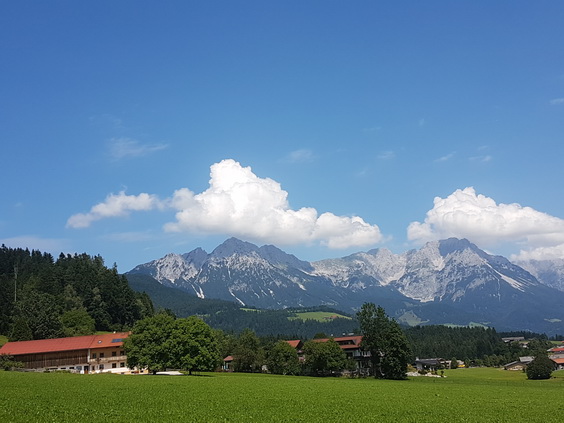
(445, 282)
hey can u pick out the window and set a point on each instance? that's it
(101, 367)
(101, 355)
(122, 364)
(114, 365)
(114, 353)
(93, 355)
(122, 352)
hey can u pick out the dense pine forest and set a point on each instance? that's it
(74, 295)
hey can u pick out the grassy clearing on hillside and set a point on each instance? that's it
(3, 340)
(320, 316)
(470, 395)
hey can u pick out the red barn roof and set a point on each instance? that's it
(64, 344)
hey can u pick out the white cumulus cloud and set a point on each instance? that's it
(239, 203)
(540, 253)
(115, 205)
(465, 214)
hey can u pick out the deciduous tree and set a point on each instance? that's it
(388, 345)
(540, 368)
(324, 358)
(162, 342)
(282, 359)
(248, 356)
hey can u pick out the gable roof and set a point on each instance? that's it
(64, 344)
(295, 343)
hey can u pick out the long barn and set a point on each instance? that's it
(80, 354)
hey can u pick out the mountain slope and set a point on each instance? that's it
(448, 281)
(550, 272)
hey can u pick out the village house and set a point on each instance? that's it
(79, 354)
(556, 354)
(227, 365)
(520, 364)
(351, 346)
(298, 346)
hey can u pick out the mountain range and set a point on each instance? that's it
(450, 281)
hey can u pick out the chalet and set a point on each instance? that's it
(556, 354)
(298, 346)
(520, 364)
(80, 354)
(351, 346)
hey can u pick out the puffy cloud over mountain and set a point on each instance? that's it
(465, 214)
(242, 204)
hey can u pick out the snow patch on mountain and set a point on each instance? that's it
(515, 284)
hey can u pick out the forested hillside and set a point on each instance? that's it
(232, 318)
(74, 295)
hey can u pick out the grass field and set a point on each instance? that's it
(320, 316)
(469, 395)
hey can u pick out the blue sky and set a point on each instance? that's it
(331, 127)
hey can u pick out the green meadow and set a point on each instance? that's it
(320, 316)
(464, 395)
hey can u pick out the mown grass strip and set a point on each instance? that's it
(465, 395)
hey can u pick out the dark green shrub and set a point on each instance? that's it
(540, 368)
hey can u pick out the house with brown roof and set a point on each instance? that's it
(227, 365)
(80, 354)
(520, 364)
(352, 348)
(556, 354)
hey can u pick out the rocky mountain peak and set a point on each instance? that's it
(277, 257)
(233, 246)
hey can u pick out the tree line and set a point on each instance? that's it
(41, 297)
(162, 341)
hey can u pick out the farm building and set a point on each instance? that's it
(520, 364)
(80, 354)
(432, 364)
